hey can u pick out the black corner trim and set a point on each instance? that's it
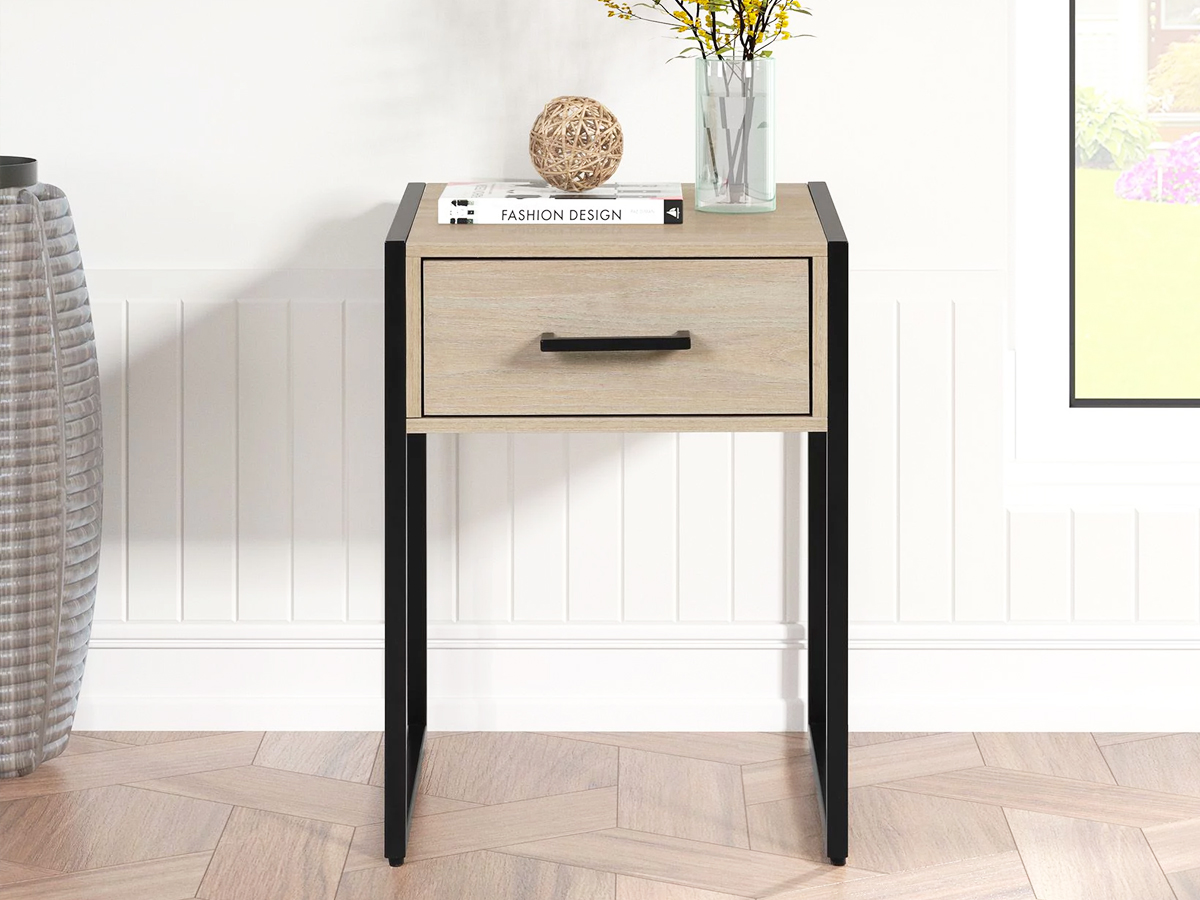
(406, 214)
(831, 223)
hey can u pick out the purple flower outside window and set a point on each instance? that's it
(1175, 173)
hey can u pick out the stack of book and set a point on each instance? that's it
(537, 203)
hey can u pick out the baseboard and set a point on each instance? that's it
(200, 713)
(190, 687)
(623, 713)
(732, 678)
(613, 679)
(1025, 689)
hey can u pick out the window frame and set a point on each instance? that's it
(1053, 440)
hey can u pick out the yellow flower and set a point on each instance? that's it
(754, 24)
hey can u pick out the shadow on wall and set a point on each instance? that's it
(468, 95)
(225, 424)
(331, 262)
(190, 367)
(244, 430)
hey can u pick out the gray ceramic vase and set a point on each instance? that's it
(50, 469)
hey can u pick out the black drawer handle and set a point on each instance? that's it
(680, 340)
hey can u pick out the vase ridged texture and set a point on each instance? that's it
(51, 464)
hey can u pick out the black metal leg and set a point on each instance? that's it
(817, 585)
(836, 787)
(829, 481)
(406, 637)
(837, 628)
(418, 592)
(827, 636)
(818, 617)
(405, 631)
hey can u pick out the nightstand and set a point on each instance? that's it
(723, 323)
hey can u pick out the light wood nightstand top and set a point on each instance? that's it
(792, 230)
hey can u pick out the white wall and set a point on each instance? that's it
(233, 167)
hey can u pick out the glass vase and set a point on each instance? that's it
(735, 135)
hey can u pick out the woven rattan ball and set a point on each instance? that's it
(576, 143)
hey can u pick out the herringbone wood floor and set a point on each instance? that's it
(155, 816)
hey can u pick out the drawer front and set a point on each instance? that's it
(748, 320)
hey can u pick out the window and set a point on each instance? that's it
(1135, 203)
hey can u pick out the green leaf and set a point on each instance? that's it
(1109, 131)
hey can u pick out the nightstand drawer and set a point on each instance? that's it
(483, 322)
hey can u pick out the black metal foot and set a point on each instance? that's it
(396, 863)
(836, 862)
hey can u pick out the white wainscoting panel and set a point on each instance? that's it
(539, 510)
(210, 452)
(874, 411)
(109, 322)
(484, 534)
(442, 522)
(926, 460)
(1168, 565)
(650, 583)
(318, 463)
(979, 576)
(795, 529)
(1105, 582)
(759, 526)
(362, 407)
(264, 477)
(594, 518)
(154, 493)
(1040, 565)
(705, 527)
